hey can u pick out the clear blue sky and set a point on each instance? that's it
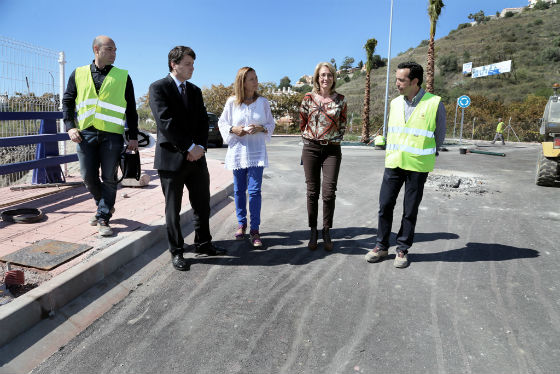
(277, 38)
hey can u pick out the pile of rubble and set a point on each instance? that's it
(455, 184)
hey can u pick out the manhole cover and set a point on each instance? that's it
(46, 254)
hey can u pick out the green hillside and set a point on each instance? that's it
(531, 39)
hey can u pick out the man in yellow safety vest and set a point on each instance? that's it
(99, 98)
(499, 132)
(415, 132)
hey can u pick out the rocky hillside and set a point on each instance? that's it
(530, 39)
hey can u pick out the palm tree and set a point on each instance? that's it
(434, 10)
(370, 48)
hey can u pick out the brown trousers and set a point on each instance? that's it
(315, 158)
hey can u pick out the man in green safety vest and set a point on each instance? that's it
(99, 98)
(499, 132)
(379, 142)
(415, 132)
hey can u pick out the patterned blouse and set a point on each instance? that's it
(320, 121)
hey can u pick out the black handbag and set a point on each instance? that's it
(130, 165)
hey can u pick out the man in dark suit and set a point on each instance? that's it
(182, 135)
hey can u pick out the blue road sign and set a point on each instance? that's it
(464, 101)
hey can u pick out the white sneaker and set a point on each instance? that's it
(376, 254)
(104, 228)
(401, 260)
(93, 220)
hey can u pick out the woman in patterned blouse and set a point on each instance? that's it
(322, 124)
(247, 124)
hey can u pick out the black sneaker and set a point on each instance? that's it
(209, 249)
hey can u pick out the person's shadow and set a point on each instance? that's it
(291, 247)
(475, 252)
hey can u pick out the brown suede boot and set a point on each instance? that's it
(327, 243)
(312, 245)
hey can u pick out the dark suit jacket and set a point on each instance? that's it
(178, 127)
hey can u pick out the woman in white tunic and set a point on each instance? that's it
(246, 124)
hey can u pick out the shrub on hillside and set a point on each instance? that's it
(424, 43)
(510, 37)
(541, 5)
(305, 88)
(509, 14)
(550, 55)
(544, 92)
(448, 64)
(537, 22)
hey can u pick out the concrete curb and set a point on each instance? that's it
(25, 311)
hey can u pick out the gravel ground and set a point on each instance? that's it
(455, 184)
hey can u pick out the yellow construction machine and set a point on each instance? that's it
(548, 163)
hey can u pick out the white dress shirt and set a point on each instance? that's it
(247, 150)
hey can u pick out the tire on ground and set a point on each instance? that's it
(547, 171)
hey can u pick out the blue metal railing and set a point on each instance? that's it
(47, 162)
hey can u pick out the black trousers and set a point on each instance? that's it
(315, 158)
(195, 176)
(393, 180)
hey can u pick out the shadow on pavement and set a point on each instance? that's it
(291, 247)
(475, 252)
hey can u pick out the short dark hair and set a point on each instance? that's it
(416, 71)
(177, 54)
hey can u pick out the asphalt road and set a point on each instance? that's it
(481, 295)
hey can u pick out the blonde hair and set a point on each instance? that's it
(239, 84)
(316, 76)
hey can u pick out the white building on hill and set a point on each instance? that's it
(512, 10)
(533, 2)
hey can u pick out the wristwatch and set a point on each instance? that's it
(231, 129)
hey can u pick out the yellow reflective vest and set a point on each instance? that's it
(379, 140)
(411, 145)
(104, 111)
(500, 128)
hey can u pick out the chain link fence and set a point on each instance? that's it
(31, 80)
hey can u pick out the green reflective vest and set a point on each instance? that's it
(411, 145)
(104, 111)
(379, 140)
(500, 127)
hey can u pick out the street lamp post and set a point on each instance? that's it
(388, 70)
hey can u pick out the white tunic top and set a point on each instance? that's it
(247, 150)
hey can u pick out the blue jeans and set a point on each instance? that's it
(100, 149)
(250, 180)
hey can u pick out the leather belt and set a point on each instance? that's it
(320, 142)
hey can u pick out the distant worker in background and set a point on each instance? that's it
(499, 132)
(102, 96)
(378, 140)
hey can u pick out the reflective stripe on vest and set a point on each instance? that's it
(411, 145)
(106, 110)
